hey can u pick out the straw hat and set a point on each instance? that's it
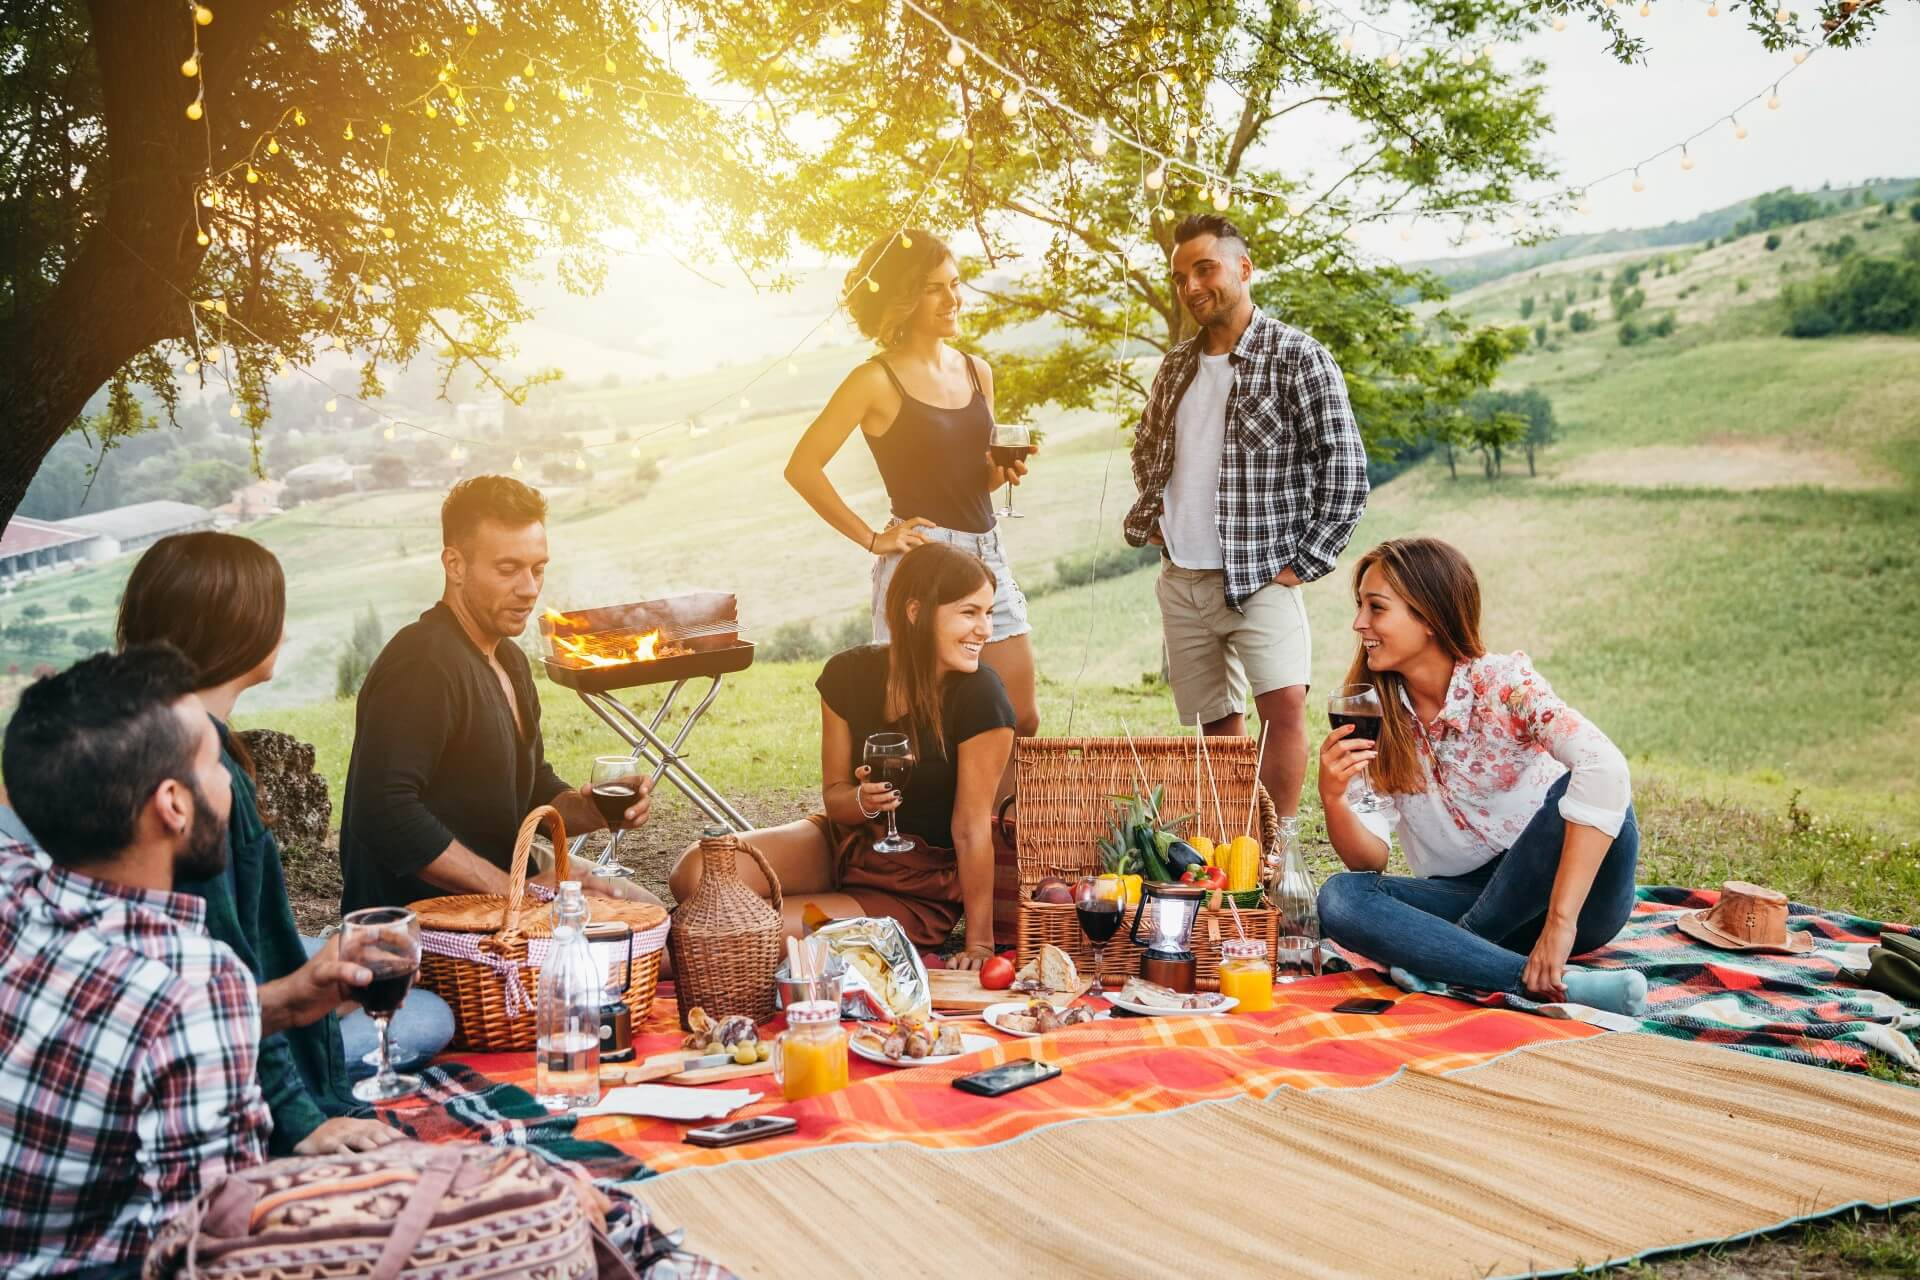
(1747, 918)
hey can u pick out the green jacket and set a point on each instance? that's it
(303, 1072)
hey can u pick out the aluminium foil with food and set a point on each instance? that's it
(886, 979)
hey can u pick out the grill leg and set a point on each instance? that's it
(667, 759)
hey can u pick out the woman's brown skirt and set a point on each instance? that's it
(920, 888)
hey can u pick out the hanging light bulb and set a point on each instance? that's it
(1296, 207)
(202, 15)
(1739, 130)
(1157, 177)
(966, 142)
(1010, 102)
(1306, 8)
(1221, 200)
(203, 238)
(906, 241)
(386, 130)
(191, 67)
(1100, 140)
(233, 410)
(1646, 9)
(195, 110)
(608, 64)
(1773, 99)
(273, 146)
(432, 111)
(212, 353)
(579, 462)
(1160, 94)
(299, 116)
(745, 403)
(634, 452)
(1639, 183)
(279, 364)
(1713, 10)
(1686, 159)
(1346, 41)
(1559, 22)
(388, 433)
(1799, 56)
(518, 465)
(1585, 207)
(347, 133)
(253, 175)
(332, 405)
(1406, 232)
(507, 106)
(1782, 15)
(793, 369)
(526, 72)
(191, 366)
(956, 53)
(1393, 57)
(1467, 56)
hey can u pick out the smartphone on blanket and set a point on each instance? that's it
(738, 1131)
(1363, 1005)
(1007, 1077)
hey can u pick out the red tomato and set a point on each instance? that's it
(997, 974)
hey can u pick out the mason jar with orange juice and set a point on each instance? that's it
(1245, 974)
(810, 1056)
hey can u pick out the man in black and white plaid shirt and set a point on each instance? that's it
(1251, 476)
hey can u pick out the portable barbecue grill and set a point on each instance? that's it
(598, 652)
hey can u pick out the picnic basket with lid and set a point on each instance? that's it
(1065, 789)
(726, 939)
(481, 952)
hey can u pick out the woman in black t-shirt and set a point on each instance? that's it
(929, 683)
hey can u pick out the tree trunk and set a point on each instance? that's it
(1453, 471)
(1530, 470)
(126, 287)
(1499, 462)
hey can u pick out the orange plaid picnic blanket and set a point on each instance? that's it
(1127, 1066)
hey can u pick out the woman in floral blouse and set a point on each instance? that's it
(1514, 812)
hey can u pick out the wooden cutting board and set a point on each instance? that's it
(959, 991)
(664, 1068)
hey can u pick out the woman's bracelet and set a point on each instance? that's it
(873, 540)
(870, 817)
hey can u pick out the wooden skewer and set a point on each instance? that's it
(1219, 818)
(1259, 759)
(1139, 771)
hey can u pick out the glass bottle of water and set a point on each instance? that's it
(567, 1011)
(1291, 889)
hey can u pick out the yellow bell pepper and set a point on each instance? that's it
(1243, 864)
(1133, 884)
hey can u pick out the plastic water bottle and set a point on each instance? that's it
(567, 1014)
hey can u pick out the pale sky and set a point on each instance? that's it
(1845, 115)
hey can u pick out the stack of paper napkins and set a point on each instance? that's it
(670, 1102)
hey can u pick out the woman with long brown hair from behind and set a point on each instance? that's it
(1514, 812)
(925, 410)
(928, 682)
(221, 600)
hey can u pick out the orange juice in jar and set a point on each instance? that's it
(810, 1056)
(1245, 974)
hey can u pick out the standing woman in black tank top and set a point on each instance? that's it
(926, 411)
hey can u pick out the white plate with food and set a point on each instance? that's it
(900, 1047)
(1035, 1017)
(1151, 1000)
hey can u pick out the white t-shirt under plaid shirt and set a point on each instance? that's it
(1293, 471)
(128, 1040)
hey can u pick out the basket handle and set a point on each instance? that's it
(522, 849)
(766, 869)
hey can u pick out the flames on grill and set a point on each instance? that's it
(614, 648)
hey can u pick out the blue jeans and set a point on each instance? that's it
(419, 1031)
(1475, 930)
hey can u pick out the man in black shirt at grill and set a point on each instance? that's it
(447, 753)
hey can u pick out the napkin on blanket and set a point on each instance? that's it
(670, 1102)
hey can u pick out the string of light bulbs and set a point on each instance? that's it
(1101, 135)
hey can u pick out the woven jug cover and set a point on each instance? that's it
(483, 912)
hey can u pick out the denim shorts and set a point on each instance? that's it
(1009, 603)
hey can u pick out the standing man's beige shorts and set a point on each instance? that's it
(1216, 655)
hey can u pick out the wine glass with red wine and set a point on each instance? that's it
(1099, 902)
(615, 788)
(889, 759)
(1359, 706)
(1009, 444)
(385, 941)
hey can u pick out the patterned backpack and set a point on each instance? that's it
(408, 1211)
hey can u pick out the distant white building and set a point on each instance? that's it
(124, 530)
(30, 547)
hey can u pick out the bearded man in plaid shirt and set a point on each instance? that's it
(128, 1037)
(1251, 477)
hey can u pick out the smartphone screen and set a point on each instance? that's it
(1007, 1077)
(1363, 1005)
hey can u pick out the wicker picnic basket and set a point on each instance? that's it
(1065, 789)
(726, 938)
(475, 949)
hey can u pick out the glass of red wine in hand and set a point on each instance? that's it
(1098, 901)
(1009, 443)
(1359, 706)
(615, 788)
(889, 759)
(385, 941)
